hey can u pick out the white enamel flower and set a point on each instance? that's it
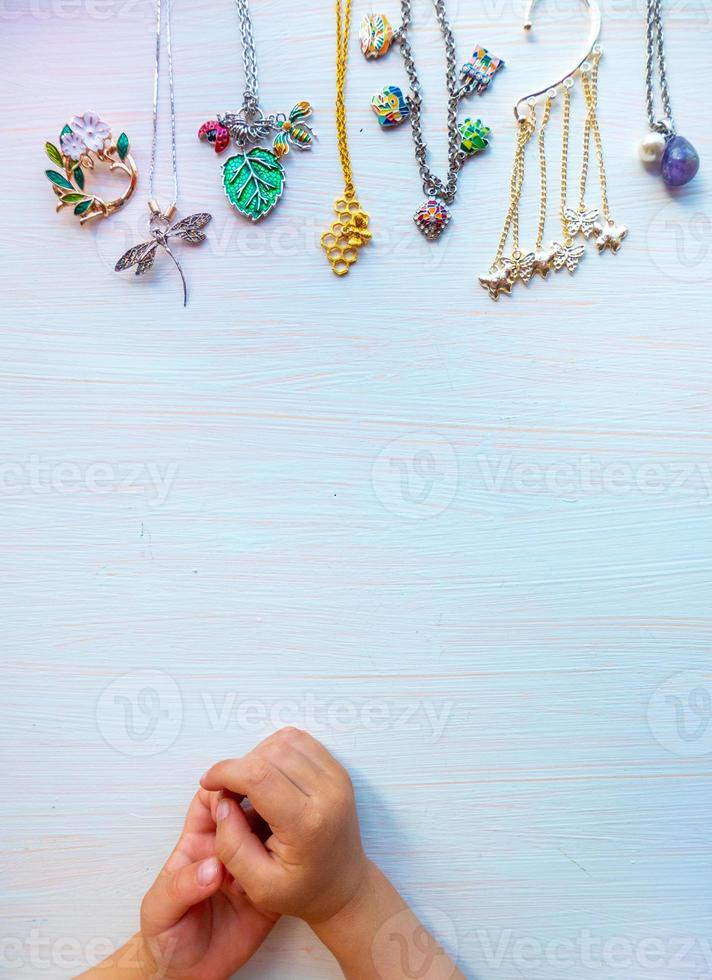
(72, 145)
(90, 129)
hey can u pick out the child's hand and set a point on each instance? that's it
(194, 922)
(313, 865)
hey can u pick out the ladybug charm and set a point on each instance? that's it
(214, 132)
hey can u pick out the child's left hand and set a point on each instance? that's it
(195, 922)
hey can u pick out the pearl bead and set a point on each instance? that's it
(651, 148)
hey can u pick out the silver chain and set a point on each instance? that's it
(433, 185)
(656, 53)
(156, 80)
(250, 101)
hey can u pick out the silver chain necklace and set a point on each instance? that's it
(662, 149)
(162, 231)
(254, 178)
(392, 107)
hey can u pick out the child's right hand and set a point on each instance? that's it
(313, 864)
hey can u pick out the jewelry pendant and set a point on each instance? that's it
(391, 106)
(610, 235)
(432, 217)
(474, 136)
(83, 143)
(347, 235)
(476, 75)
(680, 162)
(188, 230)
(581, 221)
(567, 255)
(254, 179)
(499, 280)
(375, 34)
(543, 261)
(521, 266)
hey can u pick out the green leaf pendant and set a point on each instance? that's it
(254, 182)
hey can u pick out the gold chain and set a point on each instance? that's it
(542, 173)
(565, 127)
(589, 81)
(343, 24)
(349, 232)
(524, 133)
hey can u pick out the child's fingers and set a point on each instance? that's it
(241, 851)
(174, 892)
(276, 797)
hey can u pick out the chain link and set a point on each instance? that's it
(250, 101)
(343, 26)
(590, 91)
(156, 93)
(525, 130)
(656, 52)
(433, 185)
(542, 172)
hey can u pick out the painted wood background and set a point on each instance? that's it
(467, 545)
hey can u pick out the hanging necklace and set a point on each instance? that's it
(522, 264)
(465, 139)
(162, 232)
(254, 179)
(662, 149)
(349, 232)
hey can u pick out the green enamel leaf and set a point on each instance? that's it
(122, 145)
(72, 198)
(254, 182)
(59, 180)
(79, 177)
(54, 154)
(84, 206)
(64, 132)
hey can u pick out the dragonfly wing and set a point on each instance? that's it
(189, 228)
(139, 255)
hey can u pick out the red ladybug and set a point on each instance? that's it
(214, 132)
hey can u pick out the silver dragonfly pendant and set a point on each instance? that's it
(143, 255)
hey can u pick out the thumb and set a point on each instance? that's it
(174, 892)
(242, 852)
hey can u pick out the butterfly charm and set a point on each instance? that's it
(499, 280)
(293, 131)
(522, 266)
(567, 255)
(580, 221)
(143, 255)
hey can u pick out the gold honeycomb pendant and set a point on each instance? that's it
(347, 235)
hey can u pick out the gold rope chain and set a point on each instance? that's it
(349, 232)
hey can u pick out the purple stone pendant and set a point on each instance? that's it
(680, 162)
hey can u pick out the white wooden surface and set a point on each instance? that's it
(465, 544)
